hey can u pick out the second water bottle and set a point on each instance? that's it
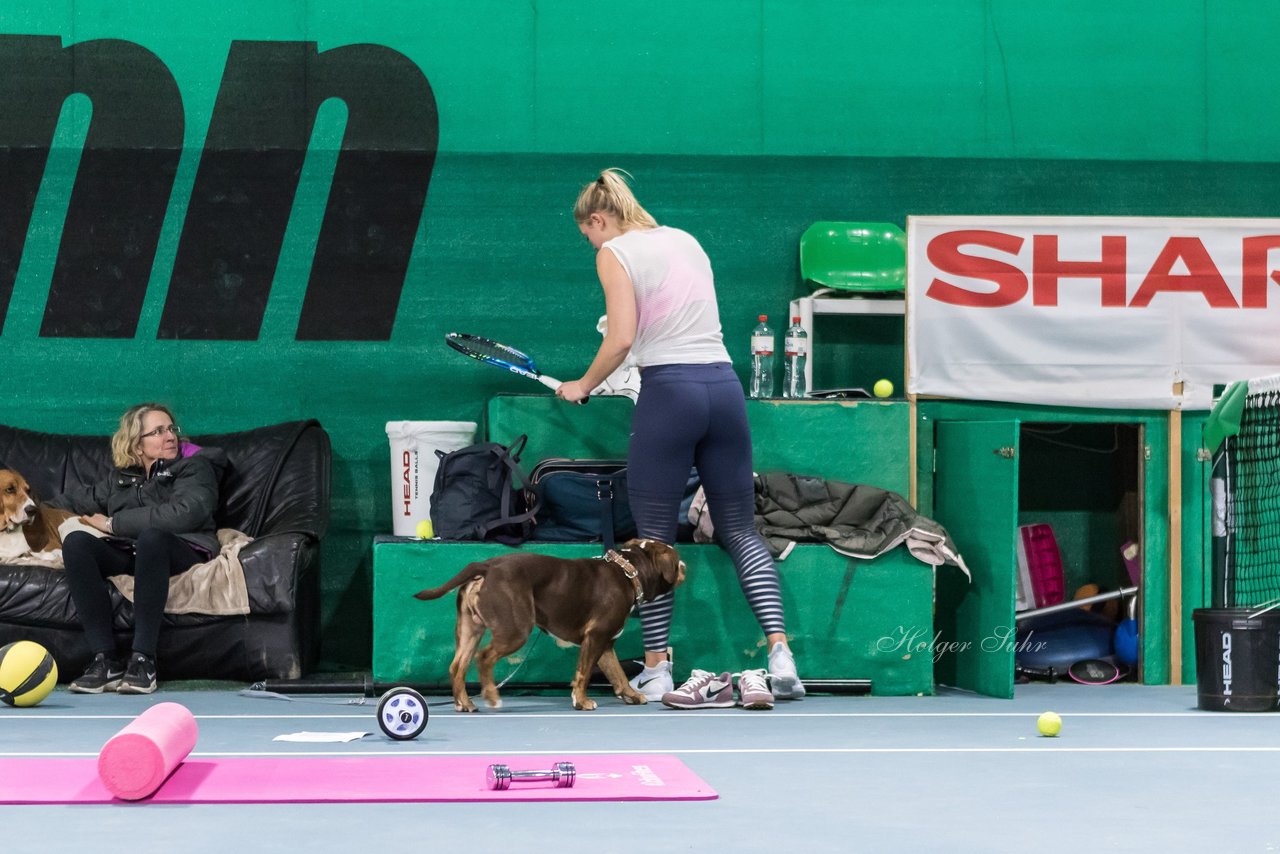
(795, 353)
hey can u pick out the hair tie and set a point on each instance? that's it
(600, 180)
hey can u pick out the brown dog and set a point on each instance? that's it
(25, 525)
(584, 601)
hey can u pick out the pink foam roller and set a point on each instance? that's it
(139, 758)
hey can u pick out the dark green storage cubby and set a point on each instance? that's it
(985, 468)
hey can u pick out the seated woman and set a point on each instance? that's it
(156, 508)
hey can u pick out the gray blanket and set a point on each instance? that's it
(854, 519)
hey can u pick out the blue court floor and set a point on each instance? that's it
(1136, 769)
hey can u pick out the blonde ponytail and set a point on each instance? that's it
(611, 194)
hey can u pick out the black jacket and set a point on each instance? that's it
(180, 496)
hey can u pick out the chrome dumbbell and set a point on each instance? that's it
(501, 776)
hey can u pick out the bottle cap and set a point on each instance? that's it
(763, 318)
(795, 319)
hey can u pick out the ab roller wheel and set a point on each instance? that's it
(402, 713)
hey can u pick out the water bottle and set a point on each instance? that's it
(762, 359)
(795, 352)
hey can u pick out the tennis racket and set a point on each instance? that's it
(500, 356)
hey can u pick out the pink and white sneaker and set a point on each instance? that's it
(753, 690)
(702, 690)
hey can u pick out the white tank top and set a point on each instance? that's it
(679, 321)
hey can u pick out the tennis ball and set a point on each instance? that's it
(882, 388)
(27, 673)
(425, 531)
(1049, 724)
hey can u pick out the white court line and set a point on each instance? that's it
(682, 752)
(738, 714)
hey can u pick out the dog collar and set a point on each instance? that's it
(615, 557)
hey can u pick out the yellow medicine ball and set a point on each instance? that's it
(27, 673)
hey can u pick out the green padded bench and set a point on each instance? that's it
(847, 618)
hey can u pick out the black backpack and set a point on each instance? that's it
(475, 496)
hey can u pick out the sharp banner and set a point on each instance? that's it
(1113, 312)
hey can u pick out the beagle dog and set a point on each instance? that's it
(26, 527)
(582, 601)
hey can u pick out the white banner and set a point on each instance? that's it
(1117, 312)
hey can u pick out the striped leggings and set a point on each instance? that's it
(694, 415)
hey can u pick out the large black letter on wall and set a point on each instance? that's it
(248, 176)
(122, 188)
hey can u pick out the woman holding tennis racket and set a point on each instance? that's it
(660, 301)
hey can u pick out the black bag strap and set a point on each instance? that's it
(604, 494)
(509, 457)
(516, 448)
(507, 517)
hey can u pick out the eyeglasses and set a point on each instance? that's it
(172, 429)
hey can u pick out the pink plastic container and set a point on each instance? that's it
(1039, 568)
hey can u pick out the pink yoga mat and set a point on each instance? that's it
(608, 777)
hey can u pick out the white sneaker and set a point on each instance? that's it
(653, 682)
(784, 681)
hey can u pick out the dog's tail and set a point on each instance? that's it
(470, 571)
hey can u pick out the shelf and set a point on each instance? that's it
(818, 304)
(854, 306)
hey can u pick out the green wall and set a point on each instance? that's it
(742, 123)
(1144, 80)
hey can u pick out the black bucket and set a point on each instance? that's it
(1237, 659)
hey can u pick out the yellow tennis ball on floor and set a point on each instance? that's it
(1049, 724)
(882, 388)
(425, 531)
(27, 673)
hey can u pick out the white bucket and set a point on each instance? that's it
(414, 463)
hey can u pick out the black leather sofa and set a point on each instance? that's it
(276, 489)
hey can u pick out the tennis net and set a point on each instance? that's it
(1246, 496)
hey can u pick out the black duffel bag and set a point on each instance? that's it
(582, 501)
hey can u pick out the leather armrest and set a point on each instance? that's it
(276, 568)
